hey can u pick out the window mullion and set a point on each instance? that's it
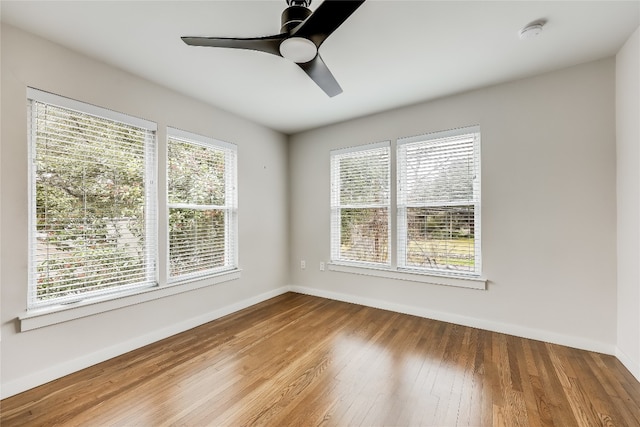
(393, 209)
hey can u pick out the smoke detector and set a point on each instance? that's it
(532, 30)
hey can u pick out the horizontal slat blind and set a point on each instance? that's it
(360, 205)
(439, 202)
(92, 204)
(202, 205)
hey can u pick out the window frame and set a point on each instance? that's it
(35, 317)
(402, 206)
(337, 206)
(231, 204)
(394, 270)
(150, 199)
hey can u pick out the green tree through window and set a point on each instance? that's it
(201, 197)
(90, 204)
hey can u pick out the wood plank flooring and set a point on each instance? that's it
(306, 361)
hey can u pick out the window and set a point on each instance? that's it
(360, 205)
(94, 240)
(201, 179)
(92, 208)
(439, 202)
(434, 235)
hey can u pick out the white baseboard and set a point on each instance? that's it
(60, 370)
(632, 366)
(505, 328)
(54, 372)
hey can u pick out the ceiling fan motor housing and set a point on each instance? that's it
(292, 16)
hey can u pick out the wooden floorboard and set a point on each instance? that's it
(305, 361)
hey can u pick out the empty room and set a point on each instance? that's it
(325, 212)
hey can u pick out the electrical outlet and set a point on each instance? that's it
(303, 264)
(322, 266)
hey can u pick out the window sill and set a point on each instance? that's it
(39, 318)
(414, 276)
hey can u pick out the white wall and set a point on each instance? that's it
(548, 208)
(628, 198)
(30, 358)
(549, 217)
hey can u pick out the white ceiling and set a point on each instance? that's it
(387, 54)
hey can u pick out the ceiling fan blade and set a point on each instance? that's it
(319, 73)
(326, 19)
(269, 44)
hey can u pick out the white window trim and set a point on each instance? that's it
(364, 147)
(470, 281)
(39, 317)
(51, 315)
(232, 200)
(72, 104)
(335, 205)
(411, 275)
(194, 137)
(401, 221)
(151, 199)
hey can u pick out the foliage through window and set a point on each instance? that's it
(202, 205)
(360, 204)
(92, 199)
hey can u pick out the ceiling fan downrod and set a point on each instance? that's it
(294, 15)
(304, 3)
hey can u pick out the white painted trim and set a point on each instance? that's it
(358, 148)
(38, 318)
(439, 134)
(60, 370)
(489, 325)
(633, 367)
(94, 110)
(191, 137)
(413, 276)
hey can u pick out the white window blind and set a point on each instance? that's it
(202, 202)
(360, 208)
(92, 209)
(439, 202)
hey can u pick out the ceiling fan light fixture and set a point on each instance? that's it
(298, 49)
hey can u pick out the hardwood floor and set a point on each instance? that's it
(301, 360)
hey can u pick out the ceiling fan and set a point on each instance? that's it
(301, 35)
